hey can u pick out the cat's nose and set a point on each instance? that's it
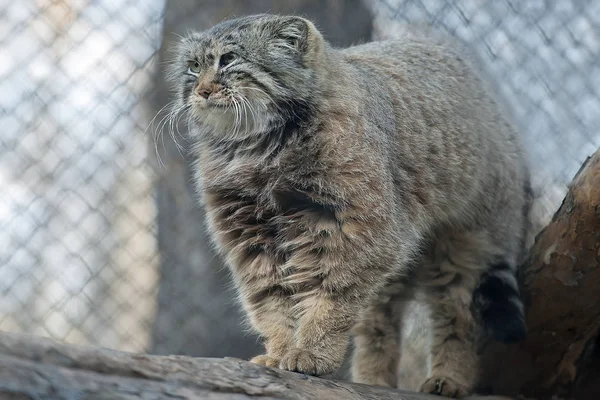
(204, 92)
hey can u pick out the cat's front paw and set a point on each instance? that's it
(445, 387)
(265, 359)
(304, 361)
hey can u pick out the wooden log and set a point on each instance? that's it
(39, 368)
(561, 287)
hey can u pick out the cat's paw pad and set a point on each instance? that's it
(303, 361)
(444, 387)
(265, 359)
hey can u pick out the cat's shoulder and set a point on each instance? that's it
(410, 42)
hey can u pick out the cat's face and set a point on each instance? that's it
(246, 76)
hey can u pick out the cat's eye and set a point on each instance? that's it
(226, 59)
(193, 66)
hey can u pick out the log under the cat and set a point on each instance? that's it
(561, 284)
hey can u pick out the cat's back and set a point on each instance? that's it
(418, 48)
(451, 138)
(434, 80)
(421, 58)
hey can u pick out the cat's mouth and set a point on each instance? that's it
(219, 104)
(219, 100)
(213, 103)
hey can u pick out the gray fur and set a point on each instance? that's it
(340, 183)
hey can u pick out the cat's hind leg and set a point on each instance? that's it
(451, 277)
(376, 353)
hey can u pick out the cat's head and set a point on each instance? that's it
(249, 75)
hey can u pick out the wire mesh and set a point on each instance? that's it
(101, 245)
(78, 255)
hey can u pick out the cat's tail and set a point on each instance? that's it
(498, 303)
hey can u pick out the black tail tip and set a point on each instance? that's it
(504, 324)
(499, 304)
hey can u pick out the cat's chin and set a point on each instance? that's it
(224, 127)
(219, 104)
(222, 123)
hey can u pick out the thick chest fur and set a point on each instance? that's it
(267, 221)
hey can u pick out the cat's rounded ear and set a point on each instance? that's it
(300, 34)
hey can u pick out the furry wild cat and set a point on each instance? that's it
(339, 183)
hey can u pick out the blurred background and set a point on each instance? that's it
(102, 244)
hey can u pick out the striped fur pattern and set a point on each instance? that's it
(340, 183)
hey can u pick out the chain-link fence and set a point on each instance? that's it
(100, 244)
(78, 254)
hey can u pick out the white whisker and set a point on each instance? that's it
(159, 132)
(255, 119)
(183, 111)
(261, 91)
(172, 125)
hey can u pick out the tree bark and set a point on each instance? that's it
(561, 287)
(38, 368)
